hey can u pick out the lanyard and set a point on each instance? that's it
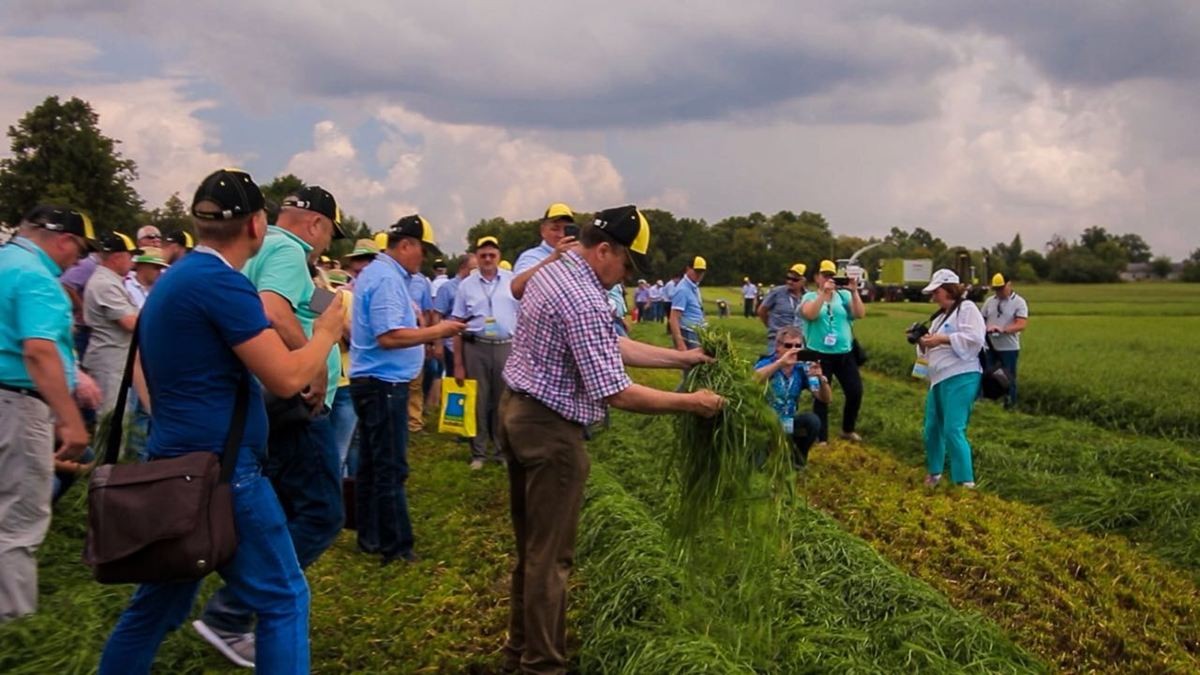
(494, 285)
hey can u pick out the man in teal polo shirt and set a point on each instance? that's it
(37, 375)
(687, 309)
(302, 455)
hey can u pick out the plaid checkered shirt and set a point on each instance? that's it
(565, 352)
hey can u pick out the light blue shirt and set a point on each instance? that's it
(668, 291)
(382, 304)
(421, 291)
(686, 299)
(478, 298)
(443, 303)
(530, 258)
(35, 307)
(616, 302)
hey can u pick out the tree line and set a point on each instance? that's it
(60, 155)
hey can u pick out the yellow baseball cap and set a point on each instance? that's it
(558, 211)
(798, 268)
(505, 265)
(487, 241)
(699, 264)
(828, 267)
(381, 240)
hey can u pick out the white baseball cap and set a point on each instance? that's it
(942, 276)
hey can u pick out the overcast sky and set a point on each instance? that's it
(975, 120)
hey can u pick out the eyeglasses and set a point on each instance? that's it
(152, 236)
(793, 280)
(792, 345)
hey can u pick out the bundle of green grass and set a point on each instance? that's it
(728, 467)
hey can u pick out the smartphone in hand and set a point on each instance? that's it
(571, 230)
(319, 302)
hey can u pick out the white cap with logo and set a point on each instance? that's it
(942, 276)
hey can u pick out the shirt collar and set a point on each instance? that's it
(395, 264)
(275, 229)
(201, 248)
(545, 247)
(44, 257)
(689, 282)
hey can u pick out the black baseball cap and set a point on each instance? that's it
(181, 237)
(62, 219)
(416, 227)
(233, 191)
(626, 226)
(318, 199)
(118, 242)
(439, 264)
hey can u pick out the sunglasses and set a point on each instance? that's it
(793, 345)
(793, 280)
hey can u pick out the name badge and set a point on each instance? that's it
(920, 369)
(789, 425)
(489, 326)
(830, 340)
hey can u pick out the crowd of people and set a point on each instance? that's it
(338, 362)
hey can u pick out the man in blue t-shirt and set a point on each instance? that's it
(304, 463)
(687, 308)
(202, 334)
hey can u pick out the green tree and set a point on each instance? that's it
(1161, 266)
(1136, 248)
(1191, 267)
(60, 156)
(172, 216)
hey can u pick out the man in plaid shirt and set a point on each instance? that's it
(567, 365)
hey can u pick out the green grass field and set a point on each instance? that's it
(1078, 553)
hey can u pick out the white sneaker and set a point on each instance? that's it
(476, 464)
(970, 485)
(237, 647)
(932, 479)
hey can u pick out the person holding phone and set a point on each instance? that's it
(302, 462)
(788, 378)
(208, 311)
(387, 353)
(559, 234)
(829, 313)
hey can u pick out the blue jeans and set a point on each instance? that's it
(302, 465)
(947, 414)
(139, 433)
(264, 575)
(1008, 359)
(805, 429)
(384, 525)
(344, 424)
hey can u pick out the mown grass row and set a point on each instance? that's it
(1085, 603)
(445, 613)
(835, 605)
(1105, 482)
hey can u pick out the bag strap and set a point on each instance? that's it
(116, 421)
(237, 425)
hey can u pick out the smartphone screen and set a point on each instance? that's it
(320, 300)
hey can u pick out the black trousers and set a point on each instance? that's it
(844, 369)
(748, 308)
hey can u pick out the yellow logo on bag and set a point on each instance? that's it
(458, 408)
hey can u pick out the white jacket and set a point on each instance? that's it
(966, 329)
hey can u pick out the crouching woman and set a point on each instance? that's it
(787, 379)
(951, 349)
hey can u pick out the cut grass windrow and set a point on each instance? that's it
(835, 605)
(1104, 482)
(1085, 603)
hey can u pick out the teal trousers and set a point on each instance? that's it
(947, 413)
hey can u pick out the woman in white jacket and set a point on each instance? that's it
(951, 348)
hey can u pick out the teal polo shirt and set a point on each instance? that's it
(35, 307)
(832, 331)
(281, 266)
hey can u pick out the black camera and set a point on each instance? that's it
(571, 230)
(841, 282)
(915, 332)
